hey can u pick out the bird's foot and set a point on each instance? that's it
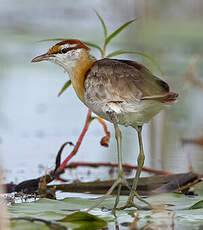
(131, 204)
(120, 181)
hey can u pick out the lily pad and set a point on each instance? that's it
(84, 220)
(198, 205)
(185, 212)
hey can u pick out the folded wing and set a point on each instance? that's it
(124, 80)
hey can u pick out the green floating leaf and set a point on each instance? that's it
(120, 52)
(197, 205)
(103, 24)
(85, 220)
(66, 85)
(109, 38)
(55, 210)
(93, 45)
(80, 216)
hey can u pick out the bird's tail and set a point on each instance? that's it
(171, 97)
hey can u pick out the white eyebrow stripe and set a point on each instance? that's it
(72, 45)
(69, 45)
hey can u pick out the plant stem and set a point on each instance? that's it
(104, 51)
(105, 140)
(87, 123)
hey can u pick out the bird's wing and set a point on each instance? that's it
(151, 86)
(118, 80)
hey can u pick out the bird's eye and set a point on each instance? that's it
(64, 50)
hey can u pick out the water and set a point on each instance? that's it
(34, 122)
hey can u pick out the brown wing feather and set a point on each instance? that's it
(117, 80)
(153, 86)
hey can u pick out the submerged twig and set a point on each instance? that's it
(178, 184)
(113, 165)
(146, 185)
(189, 185)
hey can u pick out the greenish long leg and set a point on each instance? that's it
(117, 198)
(118, 136)
(120, 180)
(140, 163)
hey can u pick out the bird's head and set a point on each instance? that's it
(65, 53)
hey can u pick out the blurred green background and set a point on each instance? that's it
(34, 123)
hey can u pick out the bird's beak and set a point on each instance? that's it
(43, 57)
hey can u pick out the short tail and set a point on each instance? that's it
(171, 97)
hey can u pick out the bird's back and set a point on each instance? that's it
(127, 87)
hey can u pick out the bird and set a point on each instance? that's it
(123, 92)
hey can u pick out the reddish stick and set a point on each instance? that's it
(127, 166)
(105, 140)
(87, 123)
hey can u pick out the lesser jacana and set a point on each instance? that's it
(123, 92)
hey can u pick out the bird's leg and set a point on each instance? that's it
(109, 192)
(120, 180)
(118, 136)
(140, 163)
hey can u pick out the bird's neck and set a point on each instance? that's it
(77, 71)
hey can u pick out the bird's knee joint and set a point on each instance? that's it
(141, 159)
